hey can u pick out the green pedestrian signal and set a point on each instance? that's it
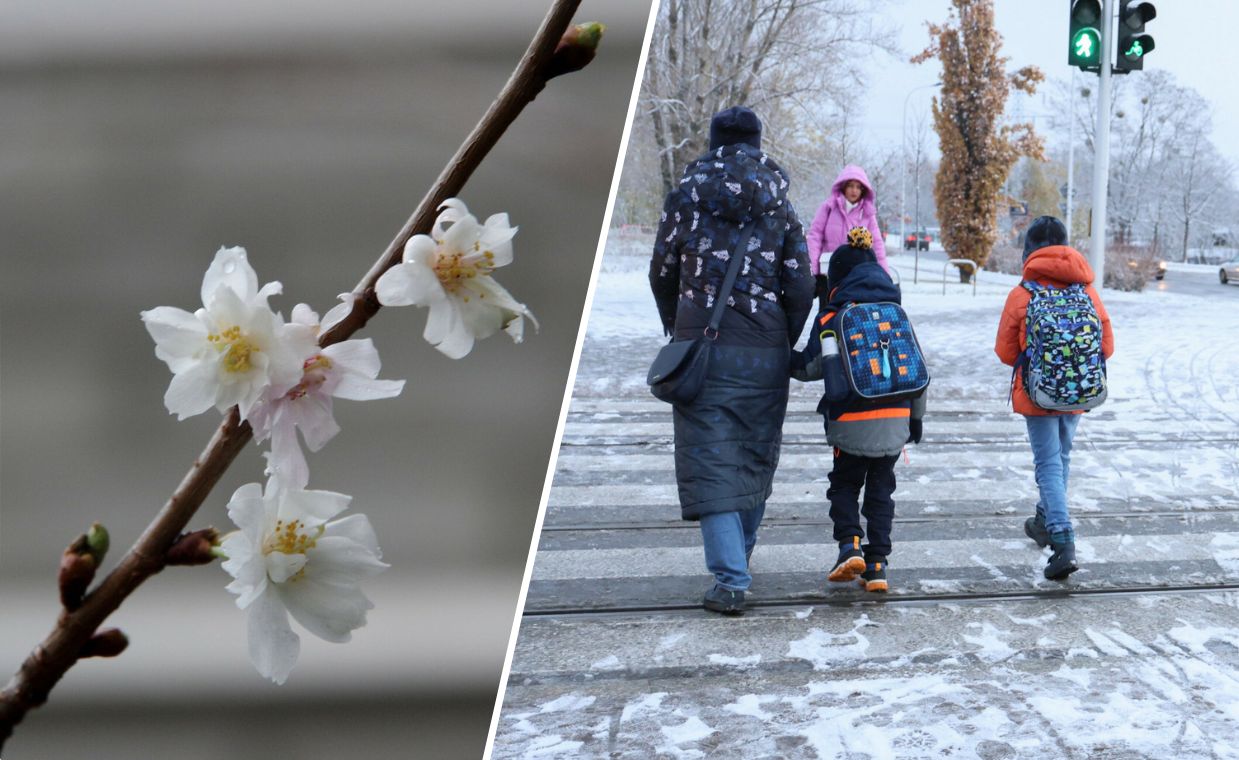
(1084, 42)
(1134, 44)
(1086, 45)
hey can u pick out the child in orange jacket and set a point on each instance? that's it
(1048, 261)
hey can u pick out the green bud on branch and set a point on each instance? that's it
(97, 542)
(575, 49)
(196, 548)
(78, 565)
(76, 573)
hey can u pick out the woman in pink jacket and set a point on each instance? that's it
(850, 205)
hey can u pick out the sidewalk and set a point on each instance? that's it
(973, 653)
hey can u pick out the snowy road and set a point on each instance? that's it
(973, 653)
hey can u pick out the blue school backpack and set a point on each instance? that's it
(880, 356)
(1063, 367)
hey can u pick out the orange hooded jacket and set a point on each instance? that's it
(1056, 266)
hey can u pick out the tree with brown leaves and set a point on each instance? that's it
(978, 150)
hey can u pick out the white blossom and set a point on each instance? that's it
(290, 557)
(234, 348)
(347, 370)
(450, 272)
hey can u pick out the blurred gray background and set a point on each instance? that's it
(138, 136)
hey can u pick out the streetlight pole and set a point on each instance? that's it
(903, 172)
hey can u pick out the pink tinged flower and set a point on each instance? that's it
(348, 369)
(291, 558)
(449, 271)
(232, 350)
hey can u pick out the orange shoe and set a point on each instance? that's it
(874, 576)
(851, 562)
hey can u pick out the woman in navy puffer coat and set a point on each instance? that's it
(727, 440)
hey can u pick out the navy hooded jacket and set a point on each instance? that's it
(857, 425)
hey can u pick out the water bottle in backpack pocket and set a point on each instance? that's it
(1064, 369)
(833, 373)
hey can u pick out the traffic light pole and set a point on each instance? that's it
(1101, 158)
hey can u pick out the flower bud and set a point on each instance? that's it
(194, 548)
(97, 541)
(76, 573)
(108, 643)
(575, 49)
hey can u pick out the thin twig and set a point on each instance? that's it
(49, 661)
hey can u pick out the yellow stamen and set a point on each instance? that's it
(289, 538)
(237, 348)
(453, 271)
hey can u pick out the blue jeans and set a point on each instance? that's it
(728, 538)
(1051, 437)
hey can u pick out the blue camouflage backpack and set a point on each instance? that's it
(1063, 367)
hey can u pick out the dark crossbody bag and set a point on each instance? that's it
(680, 369)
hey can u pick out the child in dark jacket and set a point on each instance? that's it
(867, 436)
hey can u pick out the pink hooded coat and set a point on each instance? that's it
(832, 221)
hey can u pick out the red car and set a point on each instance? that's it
(918, 239)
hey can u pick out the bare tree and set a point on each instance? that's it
(1197, 176)
(790, 60)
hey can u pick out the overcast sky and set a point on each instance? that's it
(1191, 38)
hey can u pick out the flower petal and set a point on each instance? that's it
(247, 568)
(482, 318)
(408, 284)
(178, 335)
(356, 355)
(303, 315)
(287, 462)
(462, 235)
(328, 611)
(354, 387)
(347, 553)
(337, 313)
(317, 423)
(451, 210)
(246, 508)
(193, 390)
(496, 238)
(515, 328)
(280, 566)
(457, 344)
(355, 528)
(318, 506)
(421, 250)
(273, 647)
(230, 269)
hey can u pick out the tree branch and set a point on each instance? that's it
(51, 659)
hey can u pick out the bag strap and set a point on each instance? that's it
(729, 282)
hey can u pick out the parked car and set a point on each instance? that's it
(1161, 270)
(1229, 271)
(917, 239)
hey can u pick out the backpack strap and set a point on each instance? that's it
(738, 253)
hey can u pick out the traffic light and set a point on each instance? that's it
(1084, 44)
(1134, 44)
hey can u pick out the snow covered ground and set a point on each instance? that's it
(973, 654)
